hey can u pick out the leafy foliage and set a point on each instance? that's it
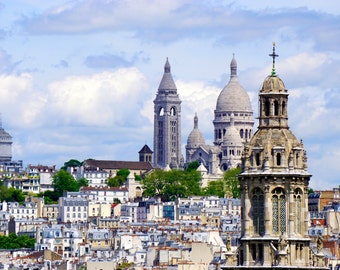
(215, 188)
(226, 187)
(83, 182)
(13, 241)
(11, 194)
(168, 185)
(64, 181)
(119, 179)
(232, 183)
(192, 166)
(71, 163)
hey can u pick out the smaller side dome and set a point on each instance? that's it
(195, 137)
(232, 136)
(273, 84)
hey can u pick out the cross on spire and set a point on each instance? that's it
(273, 55)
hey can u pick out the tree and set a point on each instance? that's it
(192, 166)
(215, 188)
(83, 182)
(16, 195)
(64, 181)
(123, 172)
(119, 179)
(232, 183)
(12, 241)
(71, 163)
(168, 185)
(11, 194)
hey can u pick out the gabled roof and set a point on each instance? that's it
(117, 165)
(146, 150)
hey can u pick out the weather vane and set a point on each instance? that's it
(273, 55)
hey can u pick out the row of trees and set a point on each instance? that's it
(168, 185)
(13, 241)
(11, 194)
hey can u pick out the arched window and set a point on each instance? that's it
(278, 211)
(276, 107)
(297, 209)
(257, 159)
(258, 211)
(241, 133)
(161, 111)
(284, 108)
(173, 111)
(267, 107)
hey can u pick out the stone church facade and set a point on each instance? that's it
(233, 125)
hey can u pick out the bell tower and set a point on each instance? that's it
(167, 123)
(274, 189)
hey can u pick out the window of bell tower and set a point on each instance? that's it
(173, 111)
(257, 159)
(276, 107)
(297, 211)
(267, 107)
(161, 111)
(284, 108)
(278, 211)
(278, 159)
(258, 211)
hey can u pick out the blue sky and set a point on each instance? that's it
(78, 78)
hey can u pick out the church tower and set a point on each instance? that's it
(167, 123)
(5, 144)
(274, 187)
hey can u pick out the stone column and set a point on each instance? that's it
(291, 211)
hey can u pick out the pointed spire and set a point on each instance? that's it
(196, 121)
(273, 55)
(167, 83)
(233, 67)
(167, 67)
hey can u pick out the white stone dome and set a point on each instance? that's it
(233, 98)
(195, 137)
(232, 136)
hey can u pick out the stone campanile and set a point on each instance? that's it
(274, 189)
(167, 123)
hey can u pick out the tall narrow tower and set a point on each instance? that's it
(5, 144)
(167, 122)
(274, 187)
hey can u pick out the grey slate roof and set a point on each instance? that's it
(167, 82)
(117, 165)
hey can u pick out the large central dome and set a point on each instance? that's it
(233, 98)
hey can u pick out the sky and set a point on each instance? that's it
(78, 78)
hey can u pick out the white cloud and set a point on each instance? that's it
(101, 99)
